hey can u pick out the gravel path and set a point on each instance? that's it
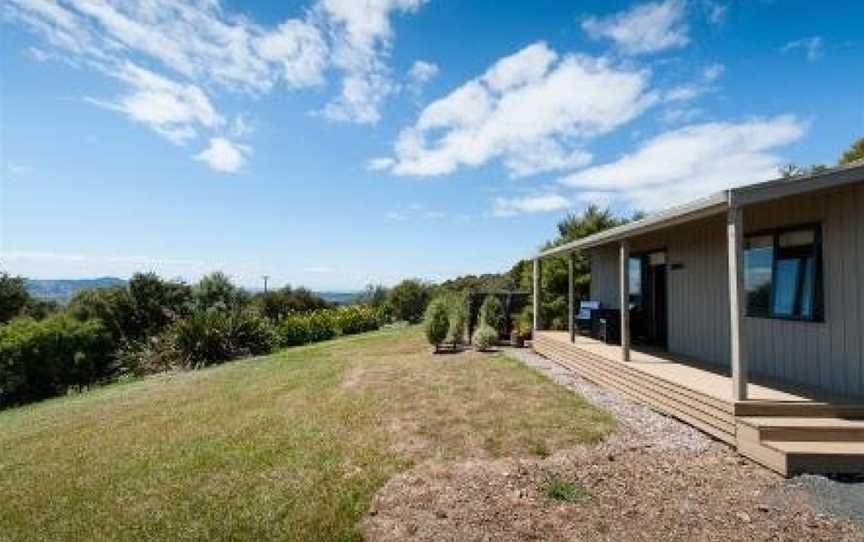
(639, 425)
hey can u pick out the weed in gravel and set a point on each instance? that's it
(559, 489)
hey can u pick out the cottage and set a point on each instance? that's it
(741, 313)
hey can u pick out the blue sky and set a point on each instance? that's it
(333, 143)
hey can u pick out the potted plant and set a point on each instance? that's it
(517, 339)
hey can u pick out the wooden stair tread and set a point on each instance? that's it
(791, 447)
(801, 422)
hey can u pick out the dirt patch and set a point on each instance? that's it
(635, 494)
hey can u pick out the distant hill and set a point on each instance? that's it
(64, 289)
(341, 298)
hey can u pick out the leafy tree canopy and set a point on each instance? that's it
(854, 153)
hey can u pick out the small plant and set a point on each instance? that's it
(492, 313)
(437, 323)
(484, 338)
(458, 322)
(559, 489)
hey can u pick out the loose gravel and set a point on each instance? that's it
(639, 425)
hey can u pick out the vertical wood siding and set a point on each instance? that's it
(826, 356)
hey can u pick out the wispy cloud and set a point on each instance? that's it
(691, 162)
(191, 46)
(545, 203)
(646, 28)
(813, 47)
(533, 110)
(414, 212)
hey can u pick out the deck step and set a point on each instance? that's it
(806, 429)
(820, 457)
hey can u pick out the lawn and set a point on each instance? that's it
(290, 446)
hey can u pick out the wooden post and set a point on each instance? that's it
(571, 296)
(624, 288)
(537, 272)
(735, 238)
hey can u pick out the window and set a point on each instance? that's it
(635, 274)
(782, 274)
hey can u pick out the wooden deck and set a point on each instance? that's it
(786, 430)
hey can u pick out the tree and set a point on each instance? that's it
(13, 296)
(492, 313)
(554, 277)
(216, 291)
(437, 322)
(854, 153)
(157, 303)
(375, 295)
(408, 300)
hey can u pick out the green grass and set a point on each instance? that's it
(559, 489)
(290, 446)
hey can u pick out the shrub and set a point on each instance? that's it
(13, 296)
(492, 313)
(357, 319)
(484, 337)
(277, 304)
(293, 330)
(322, 326)
(458, 322)
(216, 291)
(45, 358)
(408, 300)
(209, 337)
(437, 322)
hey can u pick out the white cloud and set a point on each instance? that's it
(715, 11)
(200, 42)
(534, 110)
(681, 115)
(812, 47)
(172, 109)
(691, 162)
(224, 155)
(362, 39)
(422, 71)
(414, 212)
(646, 28)
(546, 203)
(712, 72)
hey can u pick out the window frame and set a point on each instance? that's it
(818, 293)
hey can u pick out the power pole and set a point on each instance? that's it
(265, 277)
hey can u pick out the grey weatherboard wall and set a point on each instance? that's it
(826, 356)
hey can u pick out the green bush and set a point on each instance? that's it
(13, 296)
(293, 330)
(484, 337)
(46, 358)
(322, 326)
(437, 322)
(492, 313)
(458, 322)
(357, 319)
(408, 300)
(209, 337)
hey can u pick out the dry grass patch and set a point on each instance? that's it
(290, 446)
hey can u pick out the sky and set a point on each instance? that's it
(336, 143)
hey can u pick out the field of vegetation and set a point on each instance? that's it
(289, 446)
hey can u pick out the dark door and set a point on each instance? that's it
(648, 316)
(658, 317)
